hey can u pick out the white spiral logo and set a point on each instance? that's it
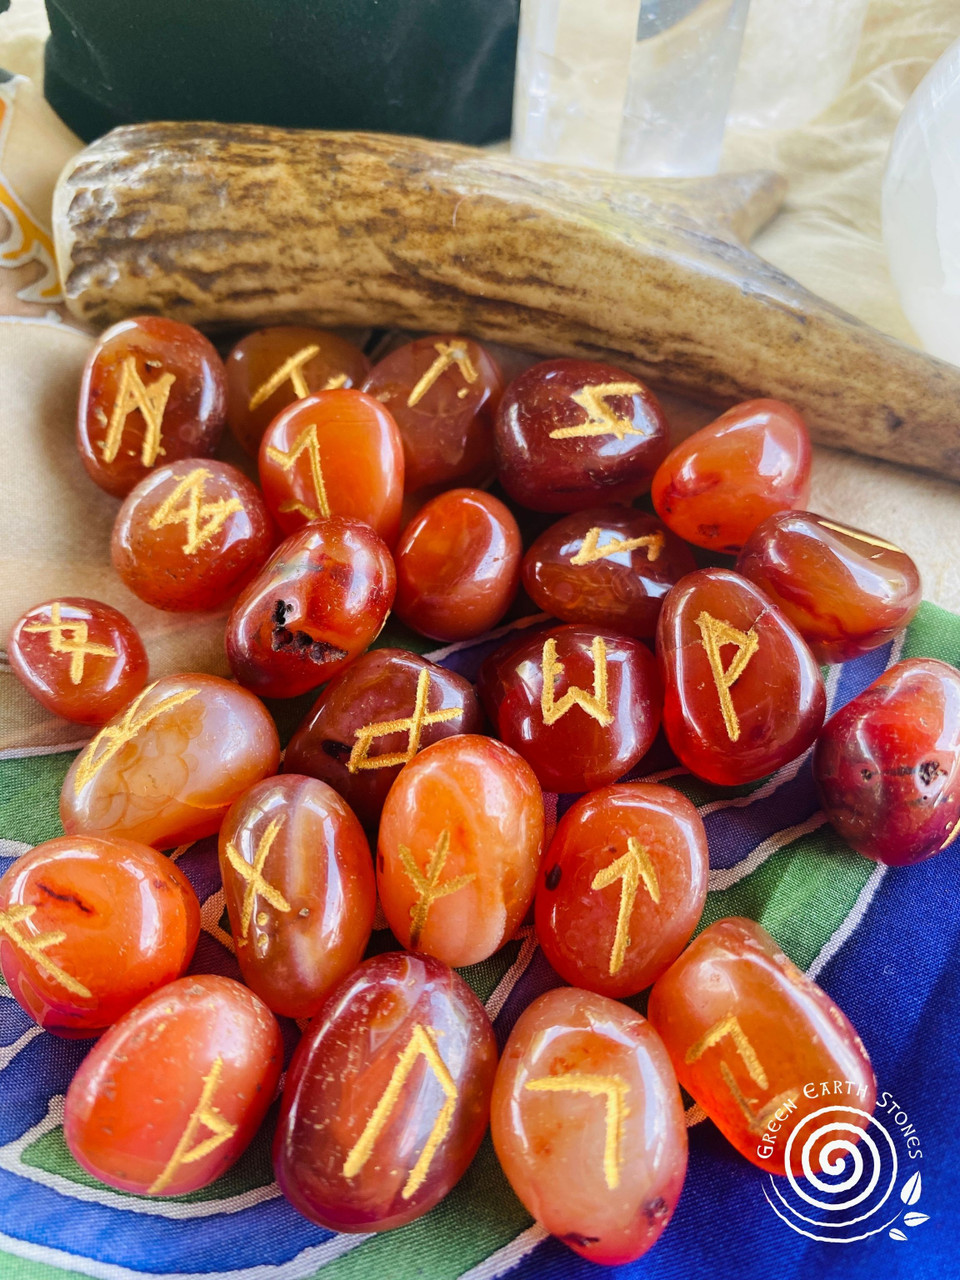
(848, 1162)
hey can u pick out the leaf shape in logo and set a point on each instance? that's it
(914, 1219)
(896, 1234)
(910, 1192)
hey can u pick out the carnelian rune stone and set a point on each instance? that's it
(845, 591)
(166, 769)
(88, 927)
(317, 603)
(588, 1124)
(191, 535)
(153, 392)
(334, 453)
(174, 1092)
(622, 887)
(572, 434)
(716, 486)
(888, 764)
(300, 890)
(742, 692)
(580, 704)
(461, 836)
(373, 719)
(271, 368)
(443, 392)
(387, 1096)
(80, 658)
(747, 1030)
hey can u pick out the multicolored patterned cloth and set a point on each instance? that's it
(884, 943)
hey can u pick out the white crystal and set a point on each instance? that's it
(797, 56)
(921, 208)
(616, 84)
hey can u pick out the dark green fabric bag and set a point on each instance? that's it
(436, 68)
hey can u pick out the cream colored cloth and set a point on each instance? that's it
(55, 524)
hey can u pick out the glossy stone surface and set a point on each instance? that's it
(588, 1124)
(461, 838)
(298, 879)
(622, 886)
(387, 1096)
(572, 434)
(88, 927)
(373, 719)
(888, 764)
(716, 486)
(174, 1092)
(443, 392)
(458, 565)
(845, 591)
(270, 368)
(335, 453)
(608, 566)
(317, 603)
(153, 392)
(747, 1030)
(190, 535)
(80, 658)
(743, 694)
(167, 768)
(581, 704)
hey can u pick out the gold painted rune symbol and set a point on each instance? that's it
(630, 868)
(308, 443)
(591, 549)
(730, 1026)
(114, 736)
(614, 1091)
(595, 704)
(447, 354)
(256, 884)
(150, 400)
(412, 725)
(203, 1114)
(422, 1044)
(77, 644)
(34, 947)
(427, 883)
(716, 633)
(202, 519)
(290, 371)
(601, 419)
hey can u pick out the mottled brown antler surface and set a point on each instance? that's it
(245, 225)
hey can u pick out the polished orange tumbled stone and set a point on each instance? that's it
(461, 836)
(609, 566)
(458, 565)
(845, 591)
(88, 927)
(191, 535)
(622, 886)
(588, 1124)
(716, 486)
(755, 1042)
(742, 692)
(166, 769)
(153, 392)
(80, 658)
(443, 392)
(387, 1096)
(317, 603)
(270, 368)
(335, 453)
(299, 884)
(175, 1091)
